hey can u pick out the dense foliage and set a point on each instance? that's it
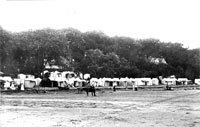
(94, 53)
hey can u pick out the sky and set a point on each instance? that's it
(166, 20)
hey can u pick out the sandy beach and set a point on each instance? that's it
(108, 109)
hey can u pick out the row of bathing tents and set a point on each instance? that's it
(71, 79)
(58, 79)
(23, 81)
(139, 81)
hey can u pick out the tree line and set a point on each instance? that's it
(95, 53)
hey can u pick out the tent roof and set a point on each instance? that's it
(170, 79)
(182, 79)
(124, 79)
(116, 79)
(7, 78)
(107, 79)
(94, 79)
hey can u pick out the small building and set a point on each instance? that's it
(157, 60)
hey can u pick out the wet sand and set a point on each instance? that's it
(179, 108)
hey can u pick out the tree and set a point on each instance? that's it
(94, 53)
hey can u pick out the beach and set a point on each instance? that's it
(179, 108)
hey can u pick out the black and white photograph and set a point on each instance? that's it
(99, 63)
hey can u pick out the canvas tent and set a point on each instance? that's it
(138, 81)
(183, 81)
(155, 81)
(169, 81)
(197, 81)
(108, 82)
(143, 81)
(78, 82)
(94, 82)
(29, 83)
(146, 81)
(101, 82)
(125, 82)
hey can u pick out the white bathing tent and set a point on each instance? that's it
(7, 78)
(30, 81)
(143, 81)
(17, 81)
(155, 81)
(133, 82)
(86, 76)
(183, 81)
(94, 82)
(147, 81)
(197, 81)
(138, 81)
(125, 81)
(54, 76)
(101, 82)
(21, 76)
(38, 80)
(116, 81)
(78, 82)
(108, 82)
(169, 81)
(68, 74)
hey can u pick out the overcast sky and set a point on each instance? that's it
(167, 20)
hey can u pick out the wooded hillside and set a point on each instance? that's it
(95, 53)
